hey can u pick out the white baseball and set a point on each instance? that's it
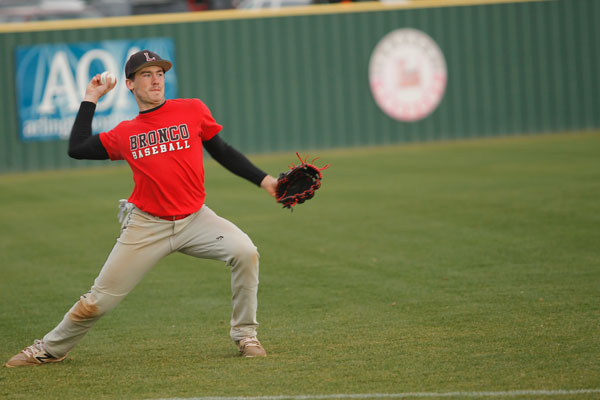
(107, 76)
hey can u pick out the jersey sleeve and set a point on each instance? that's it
(111, 144)
(208, 126)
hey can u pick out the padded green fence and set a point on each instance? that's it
(300, 80)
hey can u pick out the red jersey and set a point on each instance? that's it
(163, 147)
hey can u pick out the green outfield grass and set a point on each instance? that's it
(464, 266)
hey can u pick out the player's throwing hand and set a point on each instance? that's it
(96, 89)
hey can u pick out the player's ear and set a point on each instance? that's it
(129, 83)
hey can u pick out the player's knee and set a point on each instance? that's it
(244, 269)
(85, 309)
(245, 256)
(249, 254)
(91, 306)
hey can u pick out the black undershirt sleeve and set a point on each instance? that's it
(233, 160)
(82, 144)
(85, 146)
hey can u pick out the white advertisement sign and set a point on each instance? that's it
(52, 78)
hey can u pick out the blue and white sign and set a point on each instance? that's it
(52, 78)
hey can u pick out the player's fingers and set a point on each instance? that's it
(112, 83)
(96, 89)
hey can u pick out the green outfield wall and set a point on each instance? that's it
(303, 78)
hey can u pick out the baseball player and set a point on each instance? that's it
(166, 211)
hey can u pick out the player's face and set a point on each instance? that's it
(148, 87)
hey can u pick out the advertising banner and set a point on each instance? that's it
(52, 78)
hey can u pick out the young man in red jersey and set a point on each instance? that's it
(166, 211)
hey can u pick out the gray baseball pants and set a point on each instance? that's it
(145, 240)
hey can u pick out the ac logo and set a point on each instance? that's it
(51, 80)
(62, 84)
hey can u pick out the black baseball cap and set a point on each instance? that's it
(142, 59)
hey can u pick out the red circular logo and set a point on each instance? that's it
(407, 74)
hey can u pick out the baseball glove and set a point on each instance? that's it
(299, 183)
